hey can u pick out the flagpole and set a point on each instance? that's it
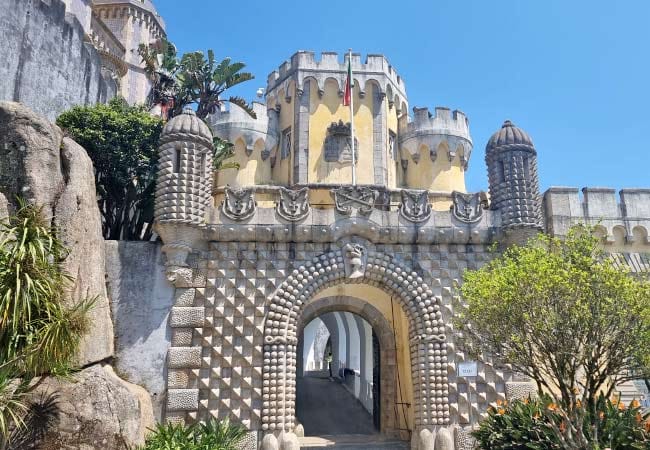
(354, 157)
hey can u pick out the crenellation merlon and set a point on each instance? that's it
(600, 207)
(442, 121)
(306, 64)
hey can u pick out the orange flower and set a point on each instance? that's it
(638, 417)
(621, 406)
(526, 401)
(601, 415)
(501, 411)
(647, 425)
(499, 402)
(635, 403)
(563, 427)
(552, 407)
(536, 416)
(578, 403)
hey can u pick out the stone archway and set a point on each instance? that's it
(384, 332)
(354, 264)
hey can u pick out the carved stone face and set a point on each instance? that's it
(354, 254)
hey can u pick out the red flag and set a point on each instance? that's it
(347, 96)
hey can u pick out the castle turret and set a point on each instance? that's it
(511, 160)
(435, 149)
(184, 185)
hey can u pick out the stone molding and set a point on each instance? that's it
(239, 204)
(360, 198)
(293, 204)
(468, 208)
(415, 206)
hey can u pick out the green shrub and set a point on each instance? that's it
(540, 424)
(213, 435)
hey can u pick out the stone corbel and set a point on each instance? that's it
(321, 92)
(433, 154)
(287, 98)
(299, 92)
(341, 93)
(177, 269)
(391, 103)
(451, 154)
(416, 157)
(277, 108)
(362, 94)
(249, 150)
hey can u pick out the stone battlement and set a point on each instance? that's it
(443, 121)
(625, 220)
(447, 127)
(235, 123)
(330, 65)
(142, 9)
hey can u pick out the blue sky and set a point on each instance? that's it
(575, 74)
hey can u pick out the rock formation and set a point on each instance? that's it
(96, 409)
(46, 169)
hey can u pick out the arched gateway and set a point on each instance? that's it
(354, 264)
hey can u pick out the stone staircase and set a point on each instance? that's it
(634, 390)
(352, 442)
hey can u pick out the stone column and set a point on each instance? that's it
(379, 136)
(301, 134)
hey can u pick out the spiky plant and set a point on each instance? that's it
(39, 334)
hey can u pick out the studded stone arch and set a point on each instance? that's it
(427, 340)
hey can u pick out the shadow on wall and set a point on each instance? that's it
(141, 299)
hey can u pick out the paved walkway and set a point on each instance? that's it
(325, 407)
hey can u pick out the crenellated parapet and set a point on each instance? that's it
(142, 11)
(444, 134)
(304, 66)
(622, 221)
(236, 124)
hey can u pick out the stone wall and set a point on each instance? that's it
(141, 299)
(46, 63)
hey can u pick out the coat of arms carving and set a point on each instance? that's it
(293, 204)
(347, 198)
(468, 208)
(338, 143)
(415, 206)
(239, 204)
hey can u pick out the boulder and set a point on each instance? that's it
(40, 165)
(97, 410)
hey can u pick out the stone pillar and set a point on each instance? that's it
(379, 136)
(301, 135)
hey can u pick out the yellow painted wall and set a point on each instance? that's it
(252, 170)
(382, 301)
(438, 175)
(330, 109)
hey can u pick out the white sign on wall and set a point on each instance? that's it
(468, 369)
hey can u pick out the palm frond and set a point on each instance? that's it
(243, 104)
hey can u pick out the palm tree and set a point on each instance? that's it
(203, 81)
(193, 80)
